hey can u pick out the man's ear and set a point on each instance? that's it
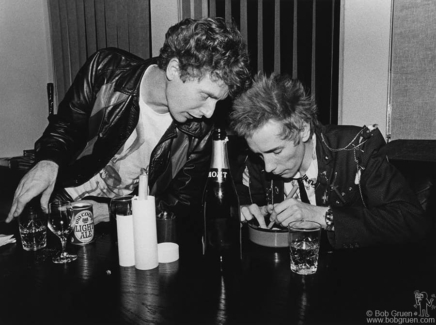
(305, 133)
(173, 70)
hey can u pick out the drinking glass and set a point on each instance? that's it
(120, 205)
(33, 228)
(60, 222)
(304, 240)
(122, 223)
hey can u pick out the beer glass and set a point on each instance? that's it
(60, 222)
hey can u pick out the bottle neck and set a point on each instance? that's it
(220, 159)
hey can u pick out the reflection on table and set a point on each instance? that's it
(349, 286)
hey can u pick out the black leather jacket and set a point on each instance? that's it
(379, 208)
(97, 116)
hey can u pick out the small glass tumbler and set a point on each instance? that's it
(166, 227)
(121, 205)
(304, 239)
(32, 224)
(121, 219)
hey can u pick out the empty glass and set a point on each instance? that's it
(60, 222)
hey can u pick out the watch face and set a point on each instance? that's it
(329, 220)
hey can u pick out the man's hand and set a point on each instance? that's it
(40, 179)
(291, 210)
(250, 211)
(100, 211)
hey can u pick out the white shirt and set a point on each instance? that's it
(121, 175)
(312, 175)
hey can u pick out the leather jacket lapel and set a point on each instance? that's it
(325, 169)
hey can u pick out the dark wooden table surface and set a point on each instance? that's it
(350, 287)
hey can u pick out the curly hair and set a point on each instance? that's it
(278, 98)
(208, 45)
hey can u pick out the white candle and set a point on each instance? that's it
(144, 233)
(126, 249)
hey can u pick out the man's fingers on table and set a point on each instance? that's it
(253, 210)
(266, 209)
(273, 219)
(285, 205)
(246, 214)
(11, 212)
(45, 198)
(20, 200)
(19, 203)
(256, 212)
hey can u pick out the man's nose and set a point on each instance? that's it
(269, 166)
(208, 109)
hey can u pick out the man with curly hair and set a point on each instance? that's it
(334, 175)
(123, 114)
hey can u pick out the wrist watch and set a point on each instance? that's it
(329, 220)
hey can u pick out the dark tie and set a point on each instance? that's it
(303, 194)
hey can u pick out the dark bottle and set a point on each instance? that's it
(222, 231)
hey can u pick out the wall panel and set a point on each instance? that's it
(413, 70)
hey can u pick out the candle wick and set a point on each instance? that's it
(143, 184)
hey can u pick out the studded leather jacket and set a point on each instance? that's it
(371, 202)
(97, 116)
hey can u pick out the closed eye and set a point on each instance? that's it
(259, 156)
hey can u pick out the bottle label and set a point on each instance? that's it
(218, 174)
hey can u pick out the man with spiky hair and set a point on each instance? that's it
(334, 175)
